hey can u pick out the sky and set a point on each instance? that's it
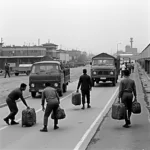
(94, 26)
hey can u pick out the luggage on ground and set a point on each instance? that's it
(76, 98)
(136, 107)
(118, 111)
(28, 117)
(60, 114)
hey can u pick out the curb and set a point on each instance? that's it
(5, 104)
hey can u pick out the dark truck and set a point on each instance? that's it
(105, 67)
(48, 71)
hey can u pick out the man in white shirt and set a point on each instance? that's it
(123, 67)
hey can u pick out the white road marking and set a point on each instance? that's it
(37, 110)
(94, 123)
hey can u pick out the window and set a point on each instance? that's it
(103, 62)
(39, 68)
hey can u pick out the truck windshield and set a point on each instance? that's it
(45, 68)
(100, 62)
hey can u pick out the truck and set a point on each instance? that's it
(48, 71)
(22, 69)
(105, 67)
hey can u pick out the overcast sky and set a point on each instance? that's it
(88, 25)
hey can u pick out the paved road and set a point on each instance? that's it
(8, 84)
(74, 130)
(112, 136)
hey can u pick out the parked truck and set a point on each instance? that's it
(105, 67)
(22, 69)
(48, 71)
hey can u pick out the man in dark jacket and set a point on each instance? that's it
(52, 99)
(127, 89)
(11, 102)
(7, 70)
(86, 87)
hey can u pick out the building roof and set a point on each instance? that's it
(103, 55)
(49, 44)
(21, 56)
(145, 48)
(45, 62)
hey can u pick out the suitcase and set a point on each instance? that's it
(28, 117)
(76, 98)
(118, 111)
(136, 107)
(60, 114)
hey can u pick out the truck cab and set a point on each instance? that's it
(48, 71)
(104, 67)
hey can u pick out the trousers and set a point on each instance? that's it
(85, 94)
(49, 108)
(12, 107)
(127, 100)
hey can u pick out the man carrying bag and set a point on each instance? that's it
(52, 99)
(127, 89)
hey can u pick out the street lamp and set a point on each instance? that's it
(117, 47)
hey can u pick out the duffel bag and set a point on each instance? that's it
(60, 114)
(118, 111)
(136, 107)
(76, 98)
(28, 117)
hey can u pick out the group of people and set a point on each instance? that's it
(52, 98)
(127, 66)
(127, 89)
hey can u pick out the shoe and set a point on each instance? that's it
(88, 106)
(6, 120)
(44, 130)
(126, 126)
(14, 123)
(83, 107)
(128, 122)
(56, 127)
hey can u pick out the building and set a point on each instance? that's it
(144, 59)
(63, 55)
(74, 54)
(51, 49)
(130, 50)
(15, 55)
(23, 51)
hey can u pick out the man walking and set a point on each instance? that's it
(86, 87)
(123, 67)
(7, 69)
(11, 102)
(52, 99)
(127, 89)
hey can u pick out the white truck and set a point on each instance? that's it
(22, 69)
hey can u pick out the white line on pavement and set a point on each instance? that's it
(95, 122)
(37, 110)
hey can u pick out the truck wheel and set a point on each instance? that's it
(33, 94)
(64, 88)
(114, 82)
(93, 83)
(16, 74)
(27, 73)
(60, 93)
(97, 82)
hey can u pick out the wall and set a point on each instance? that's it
(23, 51)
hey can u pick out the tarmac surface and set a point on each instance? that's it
(112, 136)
